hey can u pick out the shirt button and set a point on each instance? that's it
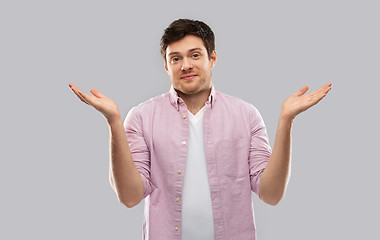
(177, 199)
(184, 116)
(179, 171)
(183, 142)
(180, 101)
(214, 196)
(176, 228)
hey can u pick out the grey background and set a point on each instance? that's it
(54, 148)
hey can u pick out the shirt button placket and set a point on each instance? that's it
(179, 172)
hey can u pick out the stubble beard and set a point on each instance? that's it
(199, 87)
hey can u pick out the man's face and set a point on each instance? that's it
(189, 66)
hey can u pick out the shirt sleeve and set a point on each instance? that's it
(139, 149)
(260, 149)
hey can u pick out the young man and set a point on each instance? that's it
(195, 154)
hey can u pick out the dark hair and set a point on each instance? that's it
(182, 27)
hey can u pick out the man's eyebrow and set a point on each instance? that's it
(173, 53)
(191, 50)
(195, 49)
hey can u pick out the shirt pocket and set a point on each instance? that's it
(232, 157)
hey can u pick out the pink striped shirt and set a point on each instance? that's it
(237, 151)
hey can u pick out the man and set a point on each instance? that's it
(195, 154)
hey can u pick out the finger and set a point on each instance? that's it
(319, 94)
(325, 89)
(96, 93)
(85, 97)
(78, 92)
(302, 91)
(91, 100)
(75, 89)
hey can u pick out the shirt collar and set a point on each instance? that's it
(175, 99)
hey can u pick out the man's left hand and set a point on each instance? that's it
(298, 102)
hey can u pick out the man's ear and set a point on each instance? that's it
(213, 58)
(165, 65)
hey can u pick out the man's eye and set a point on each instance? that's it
(175, 59)
(195, 55)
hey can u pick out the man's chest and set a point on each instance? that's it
(226, 139)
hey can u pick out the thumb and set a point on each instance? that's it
(96, 93)
(302, 90)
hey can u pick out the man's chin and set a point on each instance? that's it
(188, 90)
(191, 89)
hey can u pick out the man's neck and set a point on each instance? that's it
(195, 102)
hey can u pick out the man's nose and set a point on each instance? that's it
(186, 65)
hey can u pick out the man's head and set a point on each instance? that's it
(187, 47)
(182, 27)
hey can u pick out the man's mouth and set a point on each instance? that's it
(188, 77)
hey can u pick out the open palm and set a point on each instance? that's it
(298, 102)
(102, 103)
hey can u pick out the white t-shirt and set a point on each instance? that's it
(197, 217)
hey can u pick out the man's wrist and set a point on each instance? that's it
(285, 117)
(114, 119)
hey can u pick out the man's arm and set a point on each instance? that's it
(125, 179)
(276, 175)
(124, 176)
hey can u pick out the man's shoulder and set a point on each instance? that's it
(237, 106)
(154, 101)
(149, 106)
(232, 101)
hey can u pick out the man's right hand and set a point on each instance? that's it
(125, 179)
(103, 104)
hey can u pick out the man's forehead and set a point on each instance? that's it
(190, 50)
(185, 45)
